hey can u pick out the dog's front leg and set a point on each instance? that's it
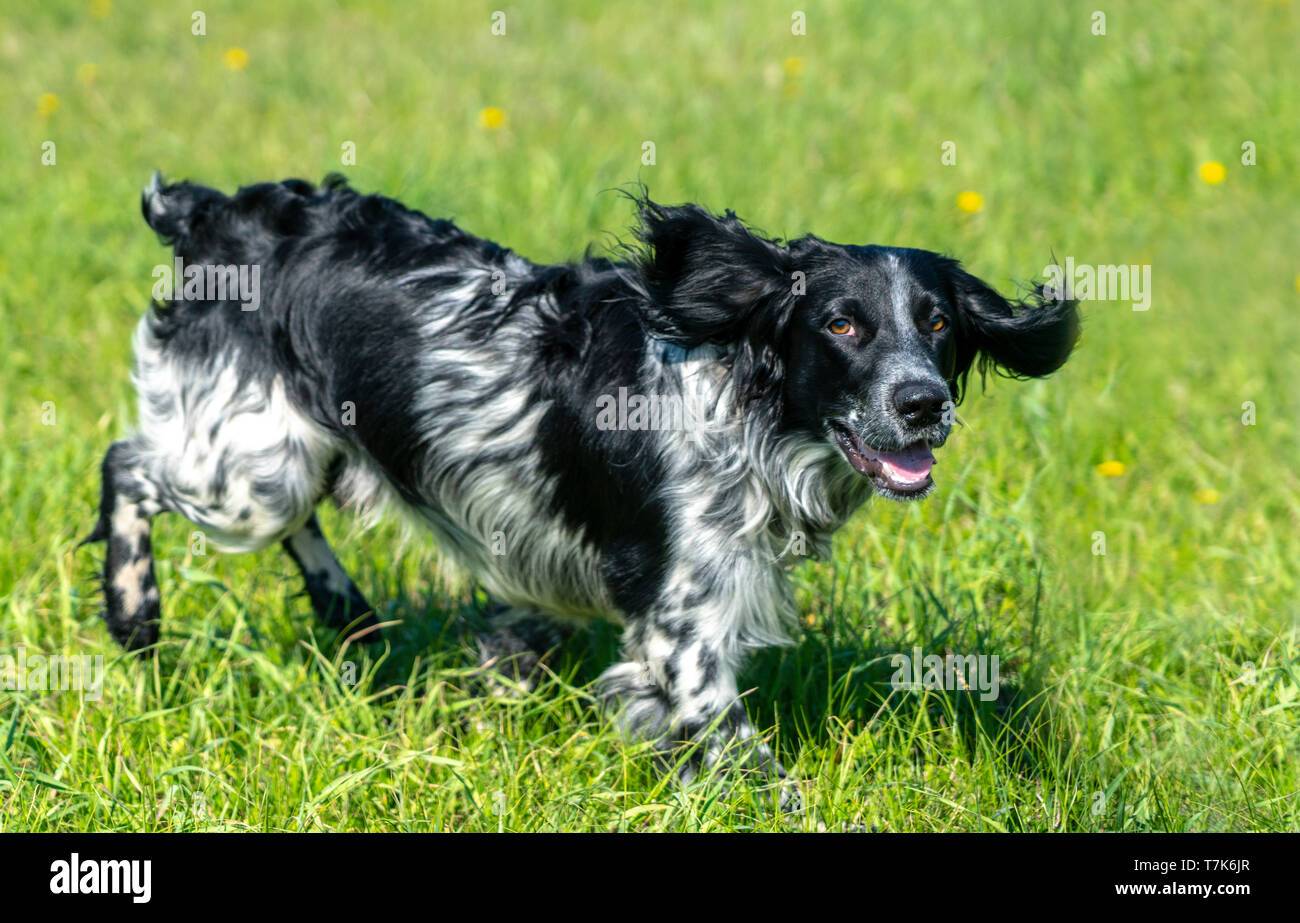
(677, 687)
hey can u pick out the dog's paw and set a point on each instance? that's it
(790, 799)
(509, 665)
(135, 629)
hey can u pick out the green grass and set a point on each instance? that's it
(1124, 674)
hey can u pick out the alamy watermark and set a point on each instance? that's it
(75, 875)
(953, 672)
(637, 412)
(209, 282)
(53, 673)
(1088, 282)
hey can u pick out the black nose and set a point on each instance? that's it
(920, 403)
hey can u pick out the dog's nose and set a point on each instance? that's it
(920, 403)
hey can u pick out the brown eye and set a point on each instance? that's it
(840, 327)
(938, 322)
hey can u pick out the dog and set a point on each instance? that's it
(640, 438)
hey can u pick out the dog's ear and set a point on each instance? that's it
(709, 278)
(1026, 338)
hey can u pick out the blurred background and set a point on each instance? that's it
(1162, 134)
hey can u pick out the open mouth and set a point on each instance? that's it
(901, 472)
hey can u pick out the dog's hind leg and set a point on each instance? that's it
(334, 596)
(227, 450)
(128, 503)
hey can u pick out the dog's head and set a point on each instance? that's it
(868, 348)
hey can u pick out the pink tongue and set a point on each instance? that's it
(910, 464)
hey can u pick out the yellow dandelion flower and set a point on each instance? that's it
(1111, 469)
(793, 66)
(87, 73)
(970, 202)
(810, 620)
(235, 58)
(492, 118)
(1206, 496)
(47, 104)
(101, 8)
(1212, 172)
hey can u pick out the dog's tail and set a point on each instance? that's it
(174, 210)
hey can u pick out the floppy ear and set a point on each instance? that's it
(707, 276)
(709, 279)
(1027, 338)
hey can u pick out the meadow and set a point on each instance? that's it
(1122, 535)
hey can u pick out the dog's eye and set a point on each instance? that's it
(938, 322)
(840, 327)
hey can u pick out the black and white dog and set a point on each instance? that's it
(641, 440)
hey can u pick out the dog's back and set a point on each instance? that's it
(302, 247)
